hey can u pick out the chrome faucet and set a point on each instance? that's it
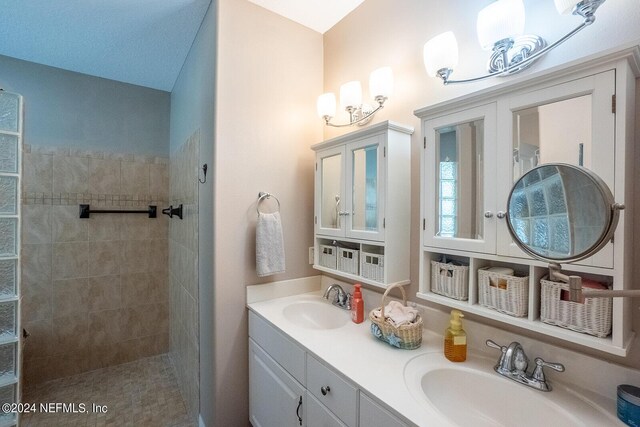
(342, 299)
(513, 364)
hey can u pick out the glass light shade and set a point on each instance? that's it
(381, 82)
(441, 52)
(326, 105)
(500, 20)
(565, 7)
(350, 94)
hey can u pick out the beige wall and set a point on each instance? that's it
(269, 75)
(94, 290)
(381, 32)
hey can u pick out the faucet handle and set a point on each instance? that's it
(538, 373)
(496, 346)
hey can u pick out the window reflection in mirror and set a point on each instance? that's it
(459, 172)
(365, 189)
(331, 196)
(559, 132)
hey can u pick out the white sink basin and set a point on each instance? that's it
(471, 393)
(315, 312)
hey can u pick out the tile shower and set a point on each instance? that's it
(113, 293)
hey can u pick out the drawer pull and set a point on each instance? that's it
(325, 390)
(298, 410)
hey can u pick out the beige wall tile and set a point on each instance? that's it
(70, 296)
(70, 260)
(37, 305)
(104, 328)
(159, 227)
(67, 225)
(71, 335)
(134, 178)
(131, 323)
(104, 176)
(159, 286)
(37, 175)
(159, 181)
(135, 227)
(135, 289)
(104, 293)
(104, 258)
(158, 255)
(70, 174)
(36, 224)
(135, 257)
(104, 227)
(39, 343)
(66, 365)
(36, 264)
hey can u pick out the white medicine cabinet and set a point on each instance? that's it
(362, 204)
(475, 149)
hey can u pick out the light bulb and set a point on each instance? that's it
(565, 7)
(381, 82)
(351, 94)
(441, 52)
(500, 20)
(326, 105)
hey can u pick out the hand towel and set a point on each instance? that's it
(397, 314)
(269, 244)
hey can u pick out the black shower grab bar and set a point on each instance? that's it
(86, 211)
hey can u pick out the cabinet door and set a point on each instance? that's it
(319, 415)
(276, 399)
(573, 123)
(373, 415)
(365, 189)
(459, 180)
(331, 206)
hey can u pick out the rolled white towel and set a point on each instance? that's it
(397, 314)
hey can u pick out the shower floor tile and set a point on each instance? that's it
(136, 394)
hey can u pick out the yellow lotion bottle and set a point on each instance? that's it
(455, 339)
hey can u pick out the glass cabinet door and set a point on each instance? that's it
(331, 206)
(365, 217)
(568, 123)
(460, 175)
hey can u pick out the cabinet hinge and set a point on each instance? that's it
(384, 222)
(613, 104)
(316, 165)
(384, 152)
(425, 142)
(424, 224)
(315, 219)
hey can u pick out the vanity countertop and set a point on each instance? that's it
(374, 366)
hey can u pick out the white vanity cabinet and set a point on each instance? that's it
(477, 146)
(289, 387)
(362, 204)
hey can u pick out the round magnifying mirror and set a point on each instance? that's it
(561, 213)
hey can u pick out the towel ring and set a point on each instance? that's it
(263, 196)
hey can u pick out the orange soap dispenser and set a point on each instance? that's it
(357, 305)
(455, 339)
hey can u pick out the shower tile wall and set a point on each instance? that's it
(95, 291)
(183, 272)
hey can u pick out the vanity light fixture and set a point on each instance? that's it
(380, 86)
(500, 29)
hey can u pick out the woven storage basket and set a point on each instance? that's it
(372, 266)
(348, 261)
(407, 337)
(504, 293)
(328, 256)
(450, 280)
(593, 317)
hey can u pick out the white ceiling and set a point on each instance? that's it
(143, 42)
(319, 15)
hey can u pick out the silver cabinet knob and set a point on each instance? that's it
(501, 214)
(488, 214)
(325, 390)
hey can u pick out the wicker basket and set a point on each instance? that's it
(504, 293)
(328, 256)
(348, 260)
(450, 280)
(372, 266)
(593, 317)
(407, 337)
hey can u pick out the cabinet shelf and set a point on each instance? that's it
(356, 278)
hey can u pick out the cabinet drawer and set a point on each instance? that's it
(374, 415)
(279, 347)
(340, 396)
(319, 416)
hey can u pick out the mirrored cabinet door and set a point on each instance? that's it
(366, 198)
(568, 123)
(331, 204)
(460, 180)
